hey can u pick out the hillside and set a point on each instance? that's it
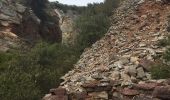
(117, 67)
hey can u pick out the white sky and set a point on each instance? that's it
(78, 2)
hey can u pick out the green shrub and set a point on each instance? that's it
(91, 29)
(17, 85)
(94, 22)
(28, 75)
(160, 71)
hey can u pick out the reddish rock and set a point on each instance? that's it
(146, 86)
(99, 95)
(129, 92)
(115, 83)
(90, 85)
(97, 86)
(58, 91)
(55, 97)
(168, 81)
(59, 98)
(162, 92)
(79, 96)
(144, 97)
(146, 64)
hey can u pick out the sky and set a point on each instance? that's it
(78, 2)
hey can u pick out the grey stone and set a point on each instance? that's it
(115, 75)
(100, 95)
(131, 70)
(118, 64)
(124, 60)
(140, 72)
(20, 8)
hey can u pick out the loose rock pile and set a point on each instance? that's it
(118, 66)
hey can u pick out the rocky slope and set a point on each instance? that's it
(27, 21)
(118, 66)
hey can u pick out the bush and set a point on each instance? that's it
(28, 75)
(92, 28)
(94, 22)
(160, 71)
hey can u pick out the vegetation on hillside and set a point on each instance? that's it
(161, 70)
(94, 22)
(29, 74)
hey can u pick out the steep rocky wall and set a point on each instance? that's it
(117, 67)
(49, 28)
(10, 18)
(27, 20)
(67, 26)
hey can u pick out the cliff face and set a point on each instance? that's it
(67, 26)
(49, 28)
(118, 66)
(27, 20)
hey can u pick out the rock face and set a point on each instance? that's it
(117, 66)
(49, 26)
(20, 22)
(67, 26)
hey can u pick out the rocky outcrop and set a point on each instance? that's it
(10, 18)
(117, 67)
(49, 26)
(27, 20)
(67, 26)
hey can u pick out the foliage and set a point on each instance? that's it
(94, 22)
(29, 75)
(66, 8)
(91, 29)
(160, 71)
(164, 42)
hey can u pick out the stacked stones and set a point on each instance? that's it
(118, 66)
(112, 90)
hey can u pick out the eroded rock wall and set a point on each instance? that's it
(27, 21)
(67, 26)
